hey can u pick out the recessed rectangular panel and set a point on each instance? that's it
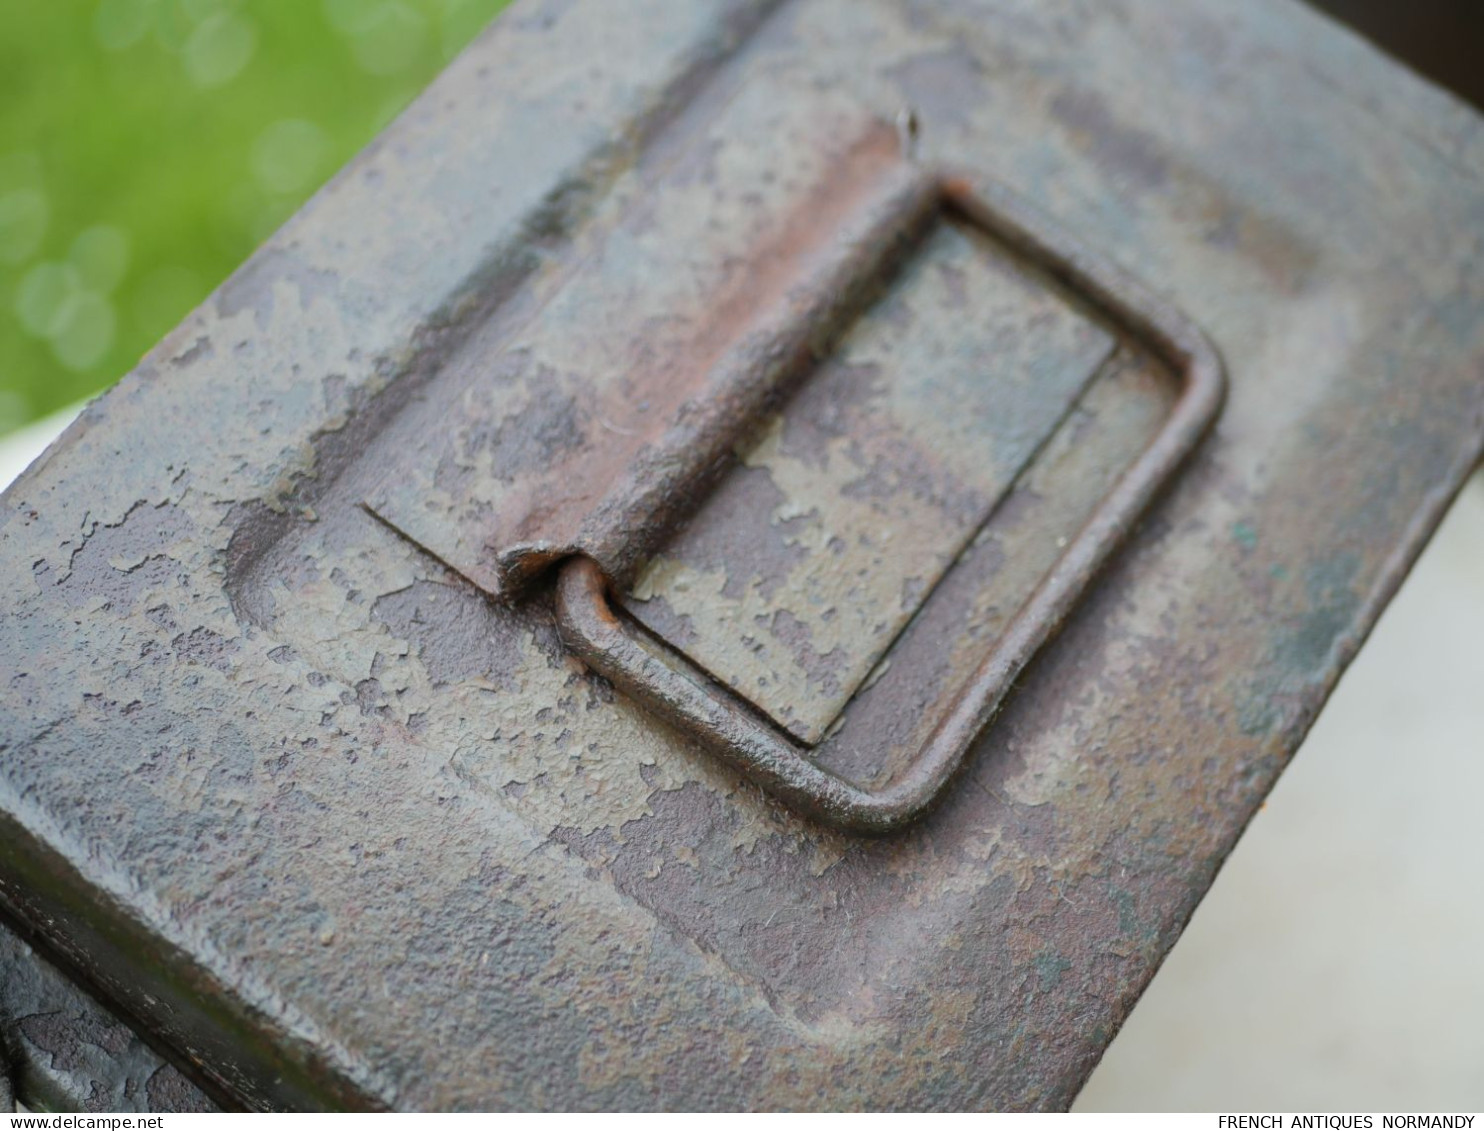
(845, 508)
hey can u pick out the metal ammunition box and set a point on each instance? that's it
(745, 554)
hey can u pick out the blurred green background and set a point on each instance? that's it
(147, 146)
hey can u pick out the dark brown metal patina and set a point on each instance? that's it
(297, 772)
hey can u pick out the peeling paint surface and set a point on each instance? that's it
(803, 565)
(346, 832)
(69, 1053)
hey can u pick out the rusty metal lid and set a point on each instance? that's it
(710, 568)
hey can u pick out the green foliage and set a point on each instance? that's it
(147, 146)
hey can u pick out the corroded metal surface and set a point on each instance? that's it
(633, 379)
(795, 575)
(346, 832)
(66, 1052)
(685, 695)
